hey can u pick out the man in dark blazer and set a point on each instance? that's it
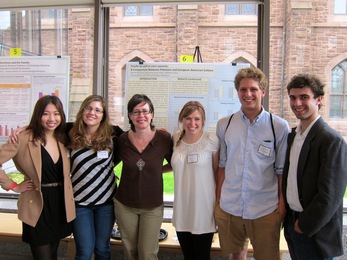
(314, 177)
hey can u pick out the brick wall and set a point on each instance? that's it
(309, 39)
(305, 36)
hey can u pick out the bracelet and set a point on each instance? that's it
(12, 186)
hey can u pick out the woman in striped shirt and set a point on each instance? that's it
(94, 182)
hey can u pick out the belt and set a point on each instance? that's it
(50, 185)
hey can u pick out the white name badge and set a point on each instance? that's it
(192, 158)
(102, 154)
(266, 151)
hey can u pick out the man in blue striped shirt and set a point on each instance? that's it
(252, 155)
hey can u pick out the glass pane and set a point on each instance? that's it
(232, 9)
(335, 106)
(146, 10)
(337, 80)
(340, 7)
(130, 10)
(343, 65)
(46, 14)
(344, 107)
(248, 9)
(51, 32)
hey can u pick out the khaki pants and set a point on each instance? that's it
(264, 234)
(139, 230)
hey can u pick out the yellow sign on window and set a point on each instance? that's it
(187, 58)
(16, 52)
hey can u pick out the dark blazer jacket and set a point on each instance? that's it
(27, 157)
(322, 178)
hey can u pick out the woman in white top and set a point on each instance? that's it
(194, 163)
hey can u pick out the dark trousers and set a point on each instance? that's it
(301, 247)
(195, 247)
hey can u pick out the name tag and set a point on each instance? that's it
(192, 158)
(266, 151)
(102, 154)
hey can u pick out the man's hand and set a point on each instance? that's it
(296, 227)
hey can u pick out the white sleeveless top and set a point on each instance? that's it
(194, 181)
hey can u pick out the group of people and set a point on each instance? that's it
(247, 180)
(266, 178)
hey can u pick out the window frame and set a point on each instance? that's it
(138, 11)
(241, 9)
(343, 94)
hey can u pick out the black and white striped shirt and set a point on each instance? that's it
(93, 179)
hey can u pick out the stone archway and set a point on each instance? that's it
(117, 88)
(241, 54)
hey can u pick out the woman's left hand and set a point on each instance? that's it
(24, 186)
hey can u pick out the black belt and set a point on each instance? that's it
(51, 185)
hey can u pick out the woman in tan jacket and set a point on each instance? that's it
(45, 205)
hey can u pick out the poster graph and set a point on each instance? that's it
(23, 80)
(53, 93)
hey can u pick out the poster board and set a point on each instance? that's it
(171, 85)
(23, 80)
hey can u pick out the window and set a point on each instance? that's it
(240, 9)
(49, 32)
(138, 10)
(338, 93)
(340, 7)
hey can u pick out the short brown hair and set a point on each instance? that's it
(251, 73)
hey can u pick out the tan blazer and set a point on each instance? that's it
(27, 157)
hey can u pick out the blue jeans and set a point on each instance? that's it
(301, 247)
(92, 230)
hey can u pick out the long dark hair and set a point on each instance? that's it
(35, 122)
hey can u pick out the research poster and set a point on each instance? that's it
(23, 80)
(171, 85)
